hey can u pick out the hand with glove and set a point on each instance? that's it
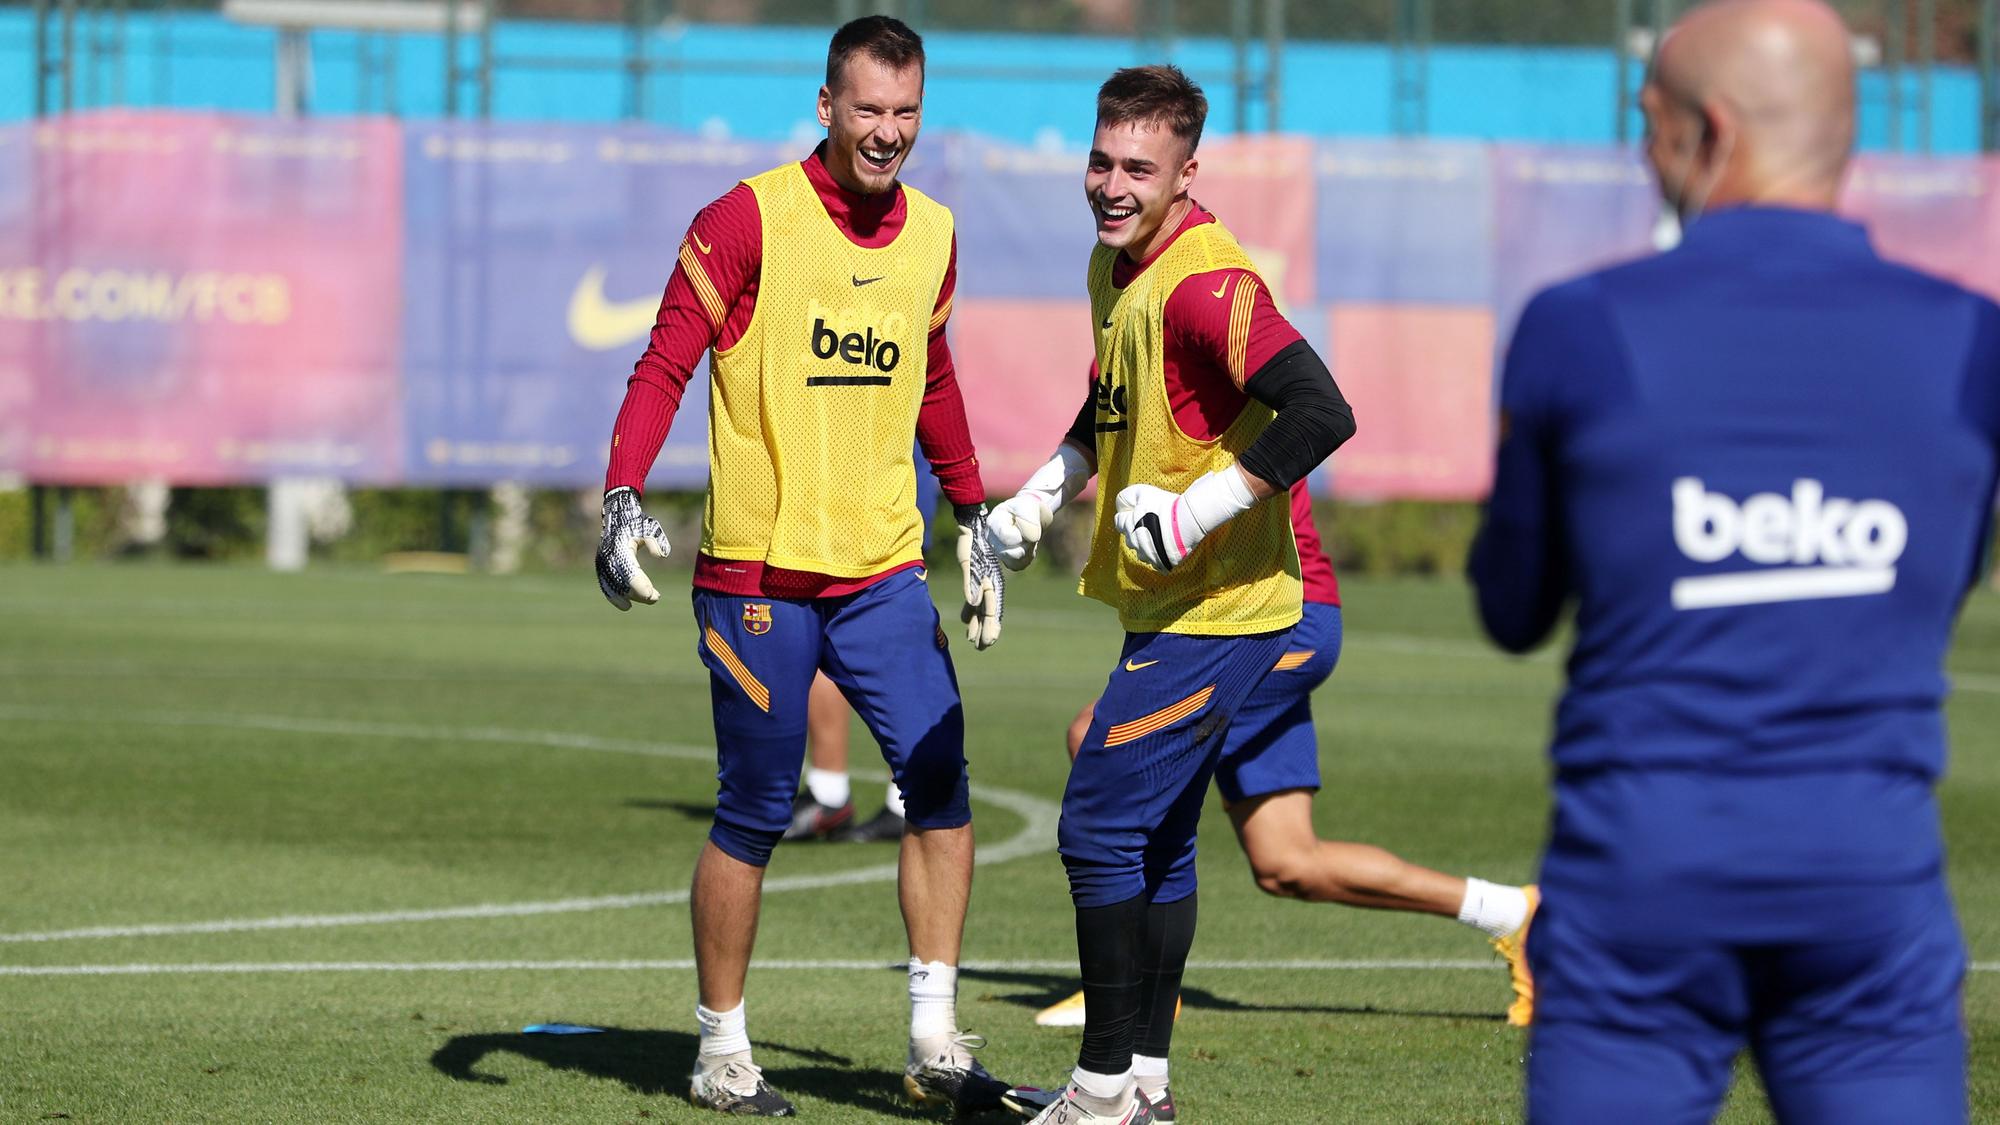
(985, 586)
(1163, 527)
(626, 528)
(1017, 524)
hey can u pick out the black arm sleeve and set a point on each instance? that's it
(1313, 419)
(1083, 432)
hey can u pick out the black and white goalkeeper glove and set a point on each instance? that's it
(626, 529)
(1163, 527)
(985, 588)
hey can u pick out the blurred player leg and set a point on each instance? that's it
(887, 823)
(825, 805)
(1287, 858)
(1267, 774)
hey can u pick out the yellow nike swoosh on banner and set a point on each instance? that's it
(600, 324)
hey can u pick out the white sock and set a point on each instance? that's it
(1150, 1073)
(723, 1033)
(933, 1000)
(893, 800)
(828, 787)
(1495, 908)
(1102, 1093)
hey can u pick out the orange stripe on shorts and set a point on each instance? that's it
(751, 685)
(1164, 717)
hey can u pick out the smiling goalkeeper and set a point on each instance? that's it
(823, 288)
(1195, 437)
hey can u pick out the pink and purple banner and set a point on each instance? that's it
(200, 299)
(211, 299)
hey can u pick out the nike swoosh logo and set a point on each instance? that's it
(1219, 289)
(866, 280)
(1131, 667)
(699, 244)
(1150, 524)
(600, 324)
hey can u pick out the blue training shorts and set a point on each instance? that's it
(1271, 746)
(1134, 795)
(1846, 1030)
(884, 648)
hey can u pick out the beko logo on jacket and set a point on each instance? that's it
(1809, 545)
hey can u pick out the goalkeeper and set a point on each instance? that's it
(1206, 406)
(809, 557)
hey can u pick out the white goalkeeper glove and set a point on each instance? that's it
(1163, 527)
(985, 585)
(1017, 524)
(626, 528)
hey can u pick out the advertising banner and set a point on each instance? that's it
(212, 299)
(200, 299)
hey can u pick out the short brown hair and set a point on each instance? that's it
(885, 39)
(1160, 95)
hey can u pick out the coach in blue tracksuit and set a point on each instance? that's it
(1762, 464)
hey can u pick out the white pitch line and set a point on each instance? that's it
(288, 724)
(1973, 681)
(687, 965)
(1037, 832)
(678, 965)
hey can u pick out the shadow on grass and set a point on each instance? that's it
(1047, 988)
(658, 1063)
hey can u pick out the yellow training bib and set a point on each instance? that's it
(813, 413)
(1243, 578)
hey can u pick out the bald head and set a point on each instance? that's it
(1752, 101)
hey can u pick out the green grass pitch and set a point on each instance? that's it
(474, 803)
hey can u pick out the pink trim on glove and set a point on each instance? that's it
(1176, 521)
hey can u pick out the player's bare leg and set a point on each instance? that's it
(1288, 859)
(724, 904)
(933, 885)
(934, 882)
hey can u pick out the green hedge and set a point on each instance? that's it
(1398, 536)
(1402, 537)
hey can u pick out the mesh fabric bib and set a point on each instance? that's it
(813, 412)
(1244, 576)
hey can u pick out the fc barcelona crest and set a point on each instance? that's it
(757, 618)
